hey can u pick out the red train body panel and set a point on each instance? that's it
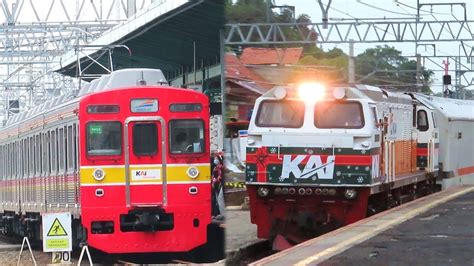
(131, 164)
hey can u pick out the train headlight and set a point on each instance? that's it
(311, 92)
(279, 93)
(339, 93)
(263, 192)
(98, 174)
(192, 172)
(350, 193)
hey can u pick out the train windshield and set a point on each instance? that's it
(330, 114)
(104, 138)
(186, 136)
(285, 113)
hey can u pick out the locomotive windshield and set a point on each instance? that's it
(330, 114)
(186, 136)
(285, 113)
(104, 138)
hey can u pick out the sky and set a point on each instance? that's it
(367, 9)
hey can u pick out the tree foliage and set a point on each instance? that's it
(259, 11)
(381, 66)
(384, 65)
(246, 11)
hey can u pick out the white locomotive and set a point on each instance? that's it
(321, 157)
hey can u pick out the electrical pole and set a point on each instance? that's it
(351, 66)
(418, 73)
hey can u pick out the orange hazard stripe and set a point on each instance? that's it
(466, 170)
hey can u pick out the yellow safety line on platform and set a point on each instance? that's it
(342, 246)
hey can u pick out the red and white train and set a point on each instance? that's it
(128, 158)
(322, 157)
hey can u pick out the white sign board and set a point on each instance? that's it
(57, 232)
(146, 174)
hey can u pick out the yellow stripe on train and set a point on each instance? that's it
(145, 174)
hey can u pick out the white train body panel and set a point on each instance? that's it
(455, 120)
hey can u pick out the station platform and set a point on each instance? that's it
(433, 230)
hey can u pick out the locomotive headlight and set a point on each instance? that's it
(192, 172)
(279, 93)
(311, 92)
(350, 193)
(339, 93)
(98, 174)
(263, 192)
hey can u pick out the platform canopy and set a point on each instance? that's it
(172, 35)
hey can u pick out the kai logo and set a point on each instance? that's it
(140, 173)
(145, 174)
(313, 167)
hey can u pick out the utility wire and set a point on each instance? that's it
(429, 12)
(382, 9)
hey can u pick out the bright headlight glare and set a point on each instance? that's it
(263, 191)
(98, 174)
(192, 172)
(350, 193)
(311, 92)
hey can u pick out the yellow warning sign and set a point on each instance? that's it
(57, 229)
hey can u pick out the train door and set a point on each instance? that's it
(428, 139)
(145, 161)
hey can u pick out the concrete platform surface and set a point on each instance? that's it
(239, 232)
(434, 230)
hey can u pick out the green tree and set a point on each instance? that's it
(246, 11)
(259, 11)
(384, 65)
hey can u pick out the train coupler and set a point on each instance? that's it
(144, 220)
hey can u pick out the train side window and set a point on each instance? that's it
(23, 158)
(31, 152)
(374, 114)
(76, 151)
(145, 139)
(104, 138)
(186, 136)
(53, 157)
(1, 163)
(38, 155)
(61, 153)
(44, 154)
(48, 141)
(422, 120)
(70, 150)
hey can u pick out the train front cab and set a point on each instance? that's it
(310, 164)
(145, 177)
(427, 149)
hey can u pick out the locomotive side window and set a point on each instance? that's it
(145, 139)
(286, 113)
(186, 136)
(338, 115)
(104, 138)
(422, 120)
